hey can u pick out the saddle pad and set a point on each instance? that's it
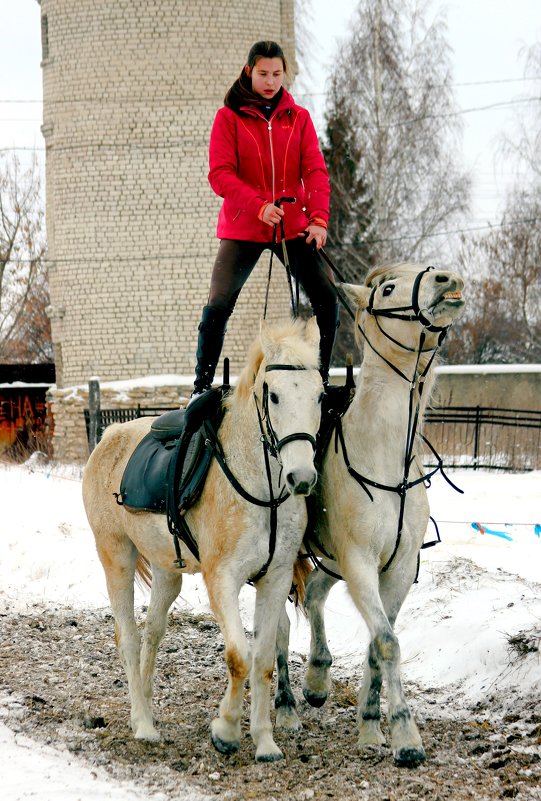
(144, 483)
(152, 466)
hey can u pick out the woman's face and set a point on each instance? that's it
(267, 77)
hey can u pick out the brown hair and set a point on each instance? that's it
(240, 94)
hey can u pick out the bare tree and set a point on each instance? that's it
(502, 323)
(522, 146)
(25, 334)
(391, 88)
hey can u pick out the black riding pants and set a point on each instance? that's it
(236, 259)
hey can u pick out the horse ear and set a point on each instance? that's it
(360, 295)
(312, 331)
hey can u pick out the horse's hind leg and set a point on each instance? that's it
(317, 679)
(165, 589)
(284, 701)
(119, 563)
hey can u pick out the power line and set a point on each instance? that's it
(398, 123)
(494, 82)
(176, 256)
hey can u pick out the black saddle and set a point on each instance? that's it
(336, 401)
(167, 470)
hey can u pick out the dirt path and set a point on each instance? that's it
(61, 682)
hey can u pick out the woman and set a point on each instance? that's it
(264, 147)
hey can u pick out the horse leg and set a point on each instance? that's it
(119, 566)
(284, 701)
(383, 661)
(270, 599)
(317, 679)
(368, 701)
(165, 589)
(405, 738)
(223, 597)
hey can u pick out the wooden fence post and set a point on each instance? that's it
(94, 412)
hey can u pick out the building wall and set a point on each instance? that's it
(130, 92)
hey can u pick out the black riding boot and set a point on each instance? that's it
(212, 330)
(328, 322)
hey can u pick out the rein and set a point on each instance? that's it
(293, 298)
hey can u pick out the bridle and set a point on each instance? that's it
(269, 436)
(271, 447)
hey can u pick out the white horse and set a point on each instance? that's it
(232, 533)
(372, 507)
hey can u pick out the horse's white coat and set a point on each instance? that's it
(232, 535)
(361, 533)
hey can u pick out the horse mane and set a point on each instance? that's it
(288, 345)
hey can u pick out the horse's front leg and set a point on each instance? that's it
(223, 591)
(317, 679)
(383, 662)
(271, 596)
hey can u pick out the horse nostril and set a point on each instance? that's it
(301, 483)
(442, 279)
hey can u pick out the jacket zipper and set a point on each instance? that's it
(269, 128)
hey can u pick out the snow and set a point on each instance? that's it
(477, 588)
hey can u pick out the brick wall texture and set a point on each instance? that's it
(130, 92)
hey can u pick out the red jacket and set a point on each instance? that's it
(254, 160)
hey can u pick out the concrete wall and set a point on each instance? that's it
(503, 387)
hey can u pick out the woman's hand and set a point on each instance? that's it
(317, 234)
(272, 214)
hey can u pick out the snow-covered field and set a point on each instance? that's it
(477, 590)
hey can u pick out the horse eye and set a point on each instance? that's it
(274, 397)
(387, 290)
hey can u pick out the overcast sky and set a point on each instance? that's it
(486, 37)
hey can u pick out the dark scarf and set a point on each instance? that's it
(241, 94)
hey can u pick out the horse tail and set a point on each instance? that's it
(143, 572)
(301, 570)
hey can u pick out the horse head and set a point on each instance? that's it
(427, 299)
(288, 391)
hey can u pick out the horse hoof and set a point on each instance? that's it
(223, 746)
(314, 699)
(276, 757)
(409, 757)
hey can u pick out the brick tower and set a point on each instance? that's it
(130, 92)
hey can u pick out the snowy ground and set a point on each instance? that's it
(477, 603)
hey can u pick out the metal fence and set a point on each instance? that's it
(105, 417)
(463, 436)
(484, 438)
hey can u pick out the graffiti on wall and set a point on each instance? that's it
(25, 419)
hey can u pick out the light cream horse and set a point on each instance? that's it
(372, 507)
(232, 533)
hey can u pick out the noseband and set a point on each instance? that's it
(270, 439)
(418, 313)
